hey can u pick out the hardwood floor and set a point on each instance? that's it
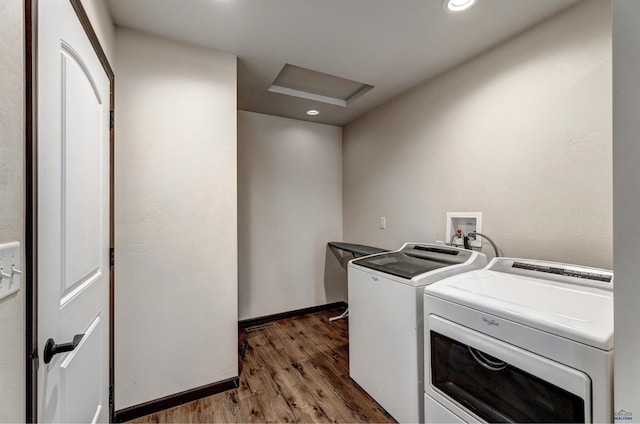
(295, 370)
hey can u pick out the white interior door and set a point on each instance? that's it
(73, 219)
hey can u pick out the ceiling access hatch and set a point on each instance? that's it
(313, 85)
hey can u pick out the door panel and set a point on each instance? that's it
(73, 218)
(82, 400)
(81, 107)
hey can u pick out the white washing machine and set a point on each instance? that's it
(386, 320)
(520, 341)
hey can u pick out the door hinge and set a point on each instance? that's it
(111, 120)
(33, 356)
(112, 256)
(110, 394)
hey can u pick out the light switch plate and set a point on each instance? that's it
(10, 256)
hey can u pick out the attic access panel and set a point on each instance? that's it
(313, 85)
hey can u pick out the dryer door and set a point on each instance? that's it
(497, 382)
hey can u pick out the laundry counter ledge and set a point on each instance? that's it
(356, 249)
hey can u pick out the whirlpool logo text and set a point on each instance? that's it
(490, 321)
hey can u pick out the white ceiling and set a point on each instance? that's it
(392, 45)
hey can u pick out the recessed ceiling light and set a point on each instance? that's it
(456, 6)
(312, 112)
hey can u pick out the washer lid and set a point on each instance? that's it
(582, 313)
(415, 259)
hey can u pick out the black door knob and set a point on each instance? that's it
(51, 348)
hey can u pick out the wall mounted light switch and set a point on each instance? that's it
(10, 269)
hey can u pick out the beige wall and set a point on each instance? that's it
(521, 133)
(626, 203)
(102, 24)
(176, 218)
(289, 207)
(12, 403)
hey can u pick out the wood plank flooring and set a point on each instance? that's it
(296, 370)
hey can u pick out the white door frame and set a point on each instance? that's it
(31, 207)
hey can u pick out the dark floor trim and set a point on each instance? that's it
(283, 315)
(177, 399)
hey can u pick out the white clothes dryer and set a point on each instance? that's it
(386, 320)
(520, 341)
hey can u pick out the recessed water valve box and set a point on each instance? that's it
(466, 222)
